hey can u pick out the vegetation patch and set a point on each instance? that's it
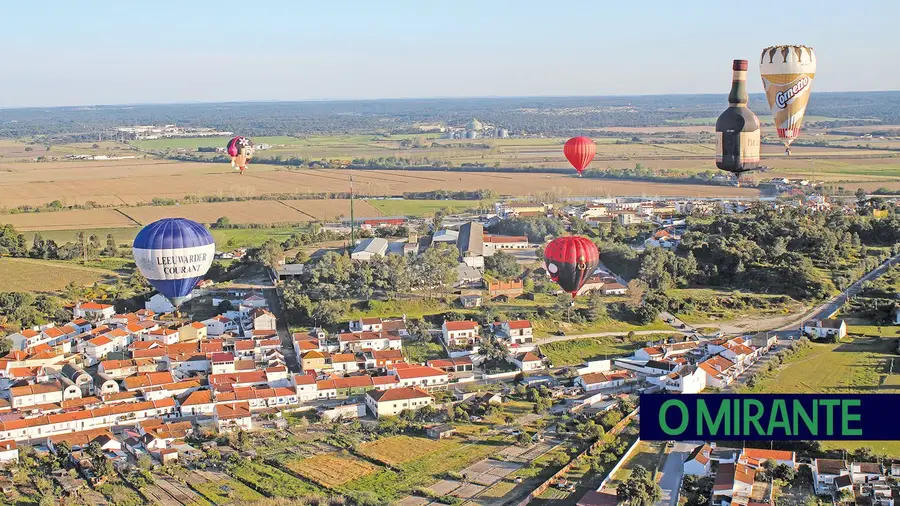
(271, 481)
(329, 470)
(226, 492)
(396, 450)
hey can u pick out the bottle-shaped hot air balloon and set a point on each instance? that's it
(580, 151)
(570, 261)
(737, 129)
(240, 149)
(787, 74)
(174, 254)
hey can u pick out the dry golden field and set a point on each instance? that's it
(68, 220)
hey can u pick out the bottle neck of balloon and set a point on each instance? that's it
(738, 96)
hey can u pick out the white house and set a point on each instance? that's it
(220, 324)
(97, 348)
(233, 415)
(9, 452)
(93, 311)
(197, 402)
(159, 304)
(825, 471)
(720, 371)
(863, 472)
(359, 341)
(420, 376)
(779, 457)
(602, 380)
(518, 332)
(391, 402)
(687, 380)
(699, 461)
(263, 319)
(460, 333)
(820, 329)
(526, 361)
(305, 386)
(344, 362)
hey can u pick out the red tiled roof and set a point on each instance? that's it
(221, 357)
(100, 341)
(397, 394)
(762, 454)
(519, 324)
(420, 371)
(93, 306)
(461, 325)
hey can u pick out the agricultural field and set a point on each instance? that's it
(69, 220)
(421, 467)
(41, 276)
(580, 350)
(422, 207)
(271, 481)
(330, 470)
(227, 492)
(397, 450)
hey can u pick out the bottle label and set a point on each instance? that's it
(748, 142)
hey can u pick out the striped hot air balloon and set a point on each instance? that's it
(787, 74)
(174, 254)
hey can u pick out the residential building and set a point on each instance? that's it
(359, 341)
(263, 319)
(505, 242)
(344, 363)
(459, 364)
(698, 463)
(42, 393)
(603, 380)
(420, 376)
(687, 380)
(517, 332)
(220, 324)
(828, 327)
(312, 361)
(233, 415)
(392, 402)
(93, 311)
(720, 371)
(526, 361)
(193, 331)
(825, 471)
(9, 452)
(463, 333)
(159, 304)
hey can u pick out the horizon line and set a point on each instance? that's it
(395, 99)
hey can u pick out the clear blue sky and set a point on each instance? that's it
(112, 52)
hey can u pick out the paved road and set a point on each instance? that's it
(670, 475)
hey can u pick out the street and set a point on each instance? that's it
(672, 471)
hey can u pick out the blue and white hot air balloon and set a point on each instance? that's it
(174, 254)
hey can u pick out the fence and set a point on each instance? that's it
(615, 430)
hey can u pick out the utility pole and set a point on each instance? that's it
(352, 217)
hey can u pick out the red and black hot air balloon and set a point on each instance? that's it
(570, 261)
(580, 151)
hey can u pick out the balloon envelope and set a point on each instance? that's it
(570, 261)
(787, 74)
(174, 254)
(580, 151)
(240, 149)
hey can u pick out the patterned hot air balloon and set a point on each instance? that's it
(570, 261)
(174, 254)
(240, 149)
(787, 74)
(580, 151)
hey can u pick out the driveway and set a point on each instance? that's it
(672, 471)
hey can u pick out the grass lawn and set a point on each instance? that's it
(412, 308)
(424, 207)
(889, 448)
(396, 450)
(577, 351)
(873, 330)
(21, 274)
(852, 366)
(420, 351)
(544, 328)
(120, 494)
(330, 470)
(274, 481)
(646, 454)
(224, 492)
(512, 408)
(424, 468)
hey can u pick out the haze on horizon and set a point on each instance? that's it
(105, 52)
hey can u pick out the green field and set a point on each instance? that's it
(418, 352)
(851, 366)
(544, 328)
(424, 207)
(646, 454)
(44, 276)
(272, 481)
(579, 351)
(226, 492)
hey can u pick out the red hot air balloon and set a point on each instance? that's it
(580, 151)
(570, 261)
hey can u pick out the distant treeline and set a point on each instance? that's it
(552, 116)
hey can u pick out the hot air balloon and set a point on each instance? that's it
(174, 254)
(787, 74)
(580, 151)
(570, 261)
(240, 149)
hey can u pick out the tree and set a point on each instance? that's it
(502, 265)
(784, 472)
(270, 254)
(861, 194)
(93, 246)
(38, 249)
(636, 290)
(5, 345)
(639, 489)
(492, 349)
(111, 249)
